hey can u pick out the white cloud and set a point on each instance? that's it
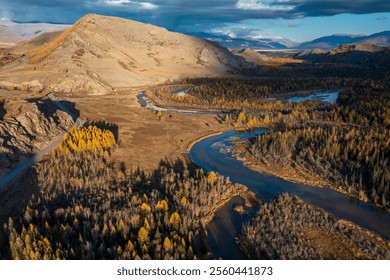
(242, 32)
(142, 5)
(261, 5)
(147, 5)
(116, 2)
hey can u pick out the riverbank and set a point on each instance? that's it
(296, 174)
(225, 227)
(192, 143)
(292, 172)
(248, 197)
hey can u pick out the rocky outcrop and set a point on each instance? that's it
(251, 56)
(26, 127)
(33, 86)
(362, 53)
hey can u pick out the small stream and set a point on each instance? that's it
(145, 103)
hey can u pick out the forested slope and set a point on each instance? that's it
(91, 208)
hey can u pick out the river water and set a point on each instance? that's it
(210, 154)
(326, 96)
(145, 103)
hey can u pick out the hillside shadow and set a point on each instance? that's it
(319, 69)
(351, 57)
(49, 108)
(2, 111)
(14, 199)
(71, 107)
(105, 125)
(178, 165)
(9, 161)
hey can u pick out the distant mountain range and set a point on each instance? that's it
(325, 43)
(333, 41)
(11, 32)
(242, 43)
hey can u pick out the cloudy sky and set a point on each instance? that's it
(298, 20)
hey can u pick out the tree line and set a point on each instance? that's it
(248, 89)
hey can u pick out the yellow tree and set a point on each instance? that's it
(266, 119)
(280, 116)
(162, 205)
(159, 115)
(167, 244)
(145, 207)
(142, 235)
(241, 116)
(175, 220)
(211, 177)
(146, 224)
(130, 248)
(183, 201)
(105, 229)
(119, 250)
(121, 225)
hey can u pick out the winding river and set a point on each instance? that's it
(211, 154)
(146, 103)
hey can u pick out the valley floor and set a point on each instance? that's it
(144, 139)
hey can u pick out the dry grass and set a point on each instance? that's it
(337, 246)
(6, 57)
(282, 60)
(331, 246)
(42, 52)
(143, 139)
(100, 53)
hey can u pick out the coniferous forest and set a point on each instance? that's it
(89, 208)
(346, 144)
(349, 147)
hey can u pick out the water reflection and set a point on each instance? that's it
(330, 97)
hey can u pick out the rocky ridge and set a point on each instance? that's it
(101, 54)
(26, 127)
(362, 53)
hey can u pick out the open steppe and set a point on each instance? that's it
(144, 140)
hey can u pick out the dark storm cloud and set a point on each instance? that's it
(182, 14)
(334, 7)
(45, 3)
